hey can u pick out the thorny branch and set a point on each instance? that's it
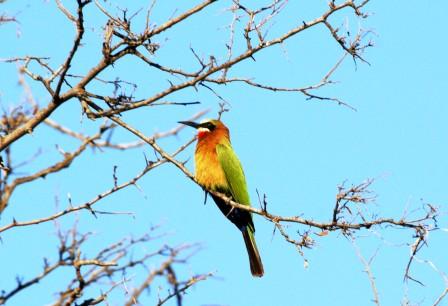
(107, 267)
(8, 189)
(208, 69)
(78, 91)
(341, 212)
(149, 165)
(368, 270)
(121, 40)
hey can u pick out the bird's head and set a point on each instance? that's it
(208, 127)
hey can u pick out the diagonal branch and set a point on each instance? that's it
(64, 163)
(249, 53)
(179, 18)
(79, 34)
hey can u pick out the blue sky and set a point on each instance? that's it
(295, 151)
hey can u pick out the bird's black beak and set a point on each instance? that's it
(191, 123)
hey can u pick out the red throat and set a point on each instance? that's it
(202, 134)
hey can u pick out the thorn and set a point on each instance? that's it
(146, 159)
(205, 196)
(114, 175)
(92, 211)
(185, 161)
(69, 197)
(46, 263)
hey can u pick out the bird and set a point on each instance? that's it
(217, 168)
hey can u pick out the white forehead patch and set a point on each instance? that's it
(205, 120)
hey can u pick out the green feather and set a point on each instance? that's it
(234, 173)
(236, 181)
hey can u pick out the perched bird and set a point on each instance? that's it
(219, 169)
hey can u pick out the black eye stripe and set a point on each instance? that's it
(208, 125)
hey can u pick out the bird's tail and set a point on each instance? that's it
(256, 266)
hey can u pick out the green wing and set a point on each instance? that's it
(234, 173)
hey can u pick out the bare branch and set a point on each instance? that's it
(182, 17)
(184, 287)
(79, 34)
(65, 163)
(368, 270)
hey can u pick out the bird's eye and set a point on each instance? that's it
(210, 126)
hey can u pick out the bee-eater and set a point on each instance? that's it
(219, 169)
